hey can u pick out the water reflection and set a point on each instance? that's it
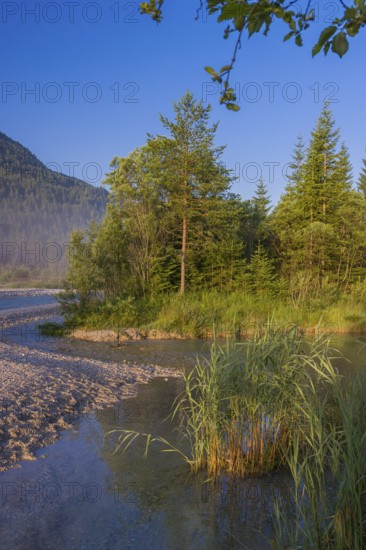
(82, 496)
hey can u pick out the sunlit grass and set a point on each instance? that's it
(208, 314)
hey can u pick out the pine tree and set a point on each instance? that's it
(197, 181)
(296, 166)
(171, 207)
(317, 187)
(261, 200)
(262, 273)
(307, 217)
(258, 228)
(362, 179)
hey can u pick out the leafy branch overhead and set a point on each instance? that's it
(254, 16)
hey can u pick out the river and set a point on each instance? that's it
(79, 495)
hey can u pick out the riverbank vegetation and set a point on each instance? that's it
(278, 403)
(177, 250)
(211, 313)
(273, 402)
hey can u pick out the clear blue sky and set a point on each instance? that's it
(102, 74)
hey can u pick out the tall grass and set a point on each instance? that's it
(276, 401)
(210, 313)
(236, 410)
(327, 461)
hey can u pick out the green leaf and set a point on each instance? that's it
(352, 29)
(239, 22)
(211, 71)
(232, 107)
(288, 36)
(298, 40)
(230, 11)
(325, 35)
(292, 25)
(340, 44)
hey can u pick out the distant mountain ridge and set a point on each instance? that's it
(39, 205)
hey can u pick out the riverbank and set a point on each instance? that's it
(132, 334)
(124, 335)
(207, 314)
(44, 393)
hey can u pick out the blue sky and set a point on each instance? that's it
(101, 74)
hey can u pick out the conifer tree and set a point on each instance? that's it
(262, 273)
(262, 205)
(307, 217)
(362, 179)
(196, 180)
(258, 230)
(296, 166)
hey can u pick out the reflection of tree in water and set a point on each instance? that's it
(166, 353)
(169, 504)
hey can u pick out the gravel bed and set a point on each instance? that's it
(43, 393)
(14, 292)
(10, 317)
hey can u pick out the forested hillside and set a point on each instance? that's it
(40, 206)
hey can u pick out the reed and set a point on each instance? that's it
(275, 401)
(236, 406)
(327, 461)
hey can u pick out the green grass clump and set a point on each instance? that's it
(237, 409)
(277, 401)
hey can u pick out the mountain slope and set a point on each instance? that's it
(38, 205)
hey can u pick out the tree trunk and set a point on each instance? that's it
(183, 257)
(322, 264)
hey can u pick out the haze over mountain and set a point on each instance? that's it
(39, 206)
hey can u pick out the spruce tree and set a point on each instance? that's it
(362, 179)
(262, 205)
(319, 181)
(258, 229)
(262, 273)
(308, 215)
(296, 166)
(261, 200)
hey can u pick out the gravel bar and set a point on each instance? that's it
(10, 317)
(42, 394)
(14, 292)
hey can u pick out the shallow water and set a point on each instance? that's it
(82, 496)
(25, 301)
